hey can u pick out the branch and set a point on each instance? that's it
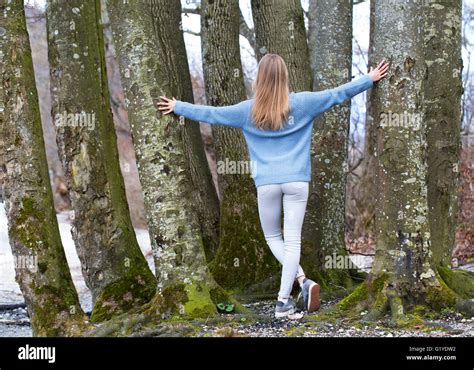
(192, 10)
(244, 29)
(193, 33)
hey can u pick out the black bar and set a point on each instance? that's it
(319, 353)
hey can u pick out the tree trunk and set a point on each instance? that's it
(113, 265)
(172, 165)
(279, 28)
(3, 169)
(203, 191)
(243, 257)
(405, 271)
(443, 91)
(324, 233)
(40, 263)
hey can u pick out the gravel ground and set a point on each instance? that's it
(15, 323)
(451, 325)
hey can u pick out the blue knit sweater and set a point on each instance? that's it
(284, 155)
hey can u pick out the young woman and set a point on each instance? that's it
(277, 126)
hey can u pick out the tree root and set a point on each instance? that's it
(178, 304)
(379, 296)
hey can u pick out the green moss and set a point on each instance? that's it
(30, 226)
(121, 296)
(189, 302)
(52, 315)
(419, 310)
(378, 283)
(328, 316)
(360, 294)
(461, 282)
(410, 321)
(440, 296)
(199, 302)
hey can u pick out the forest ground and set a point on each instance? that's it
(15, 321)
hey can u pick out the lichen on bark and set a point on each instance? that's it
(173, 170)
(113, 265)
(411, 271)
(40, 263)
(442, 105)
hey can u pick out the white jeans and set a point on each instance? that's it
(287, 251)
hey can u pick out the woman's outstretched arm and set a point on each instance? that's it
(320, 101)
(232, 115)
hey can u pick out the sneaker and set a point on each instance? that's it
(285, 309)
(310, 293)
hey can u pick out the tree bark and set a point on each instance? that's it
(3, 169)
(279, 28)
(324, 232)
(405, 271)
(443, 92)
(172, 166)
(151, 159)
(243, 257)
(113, 265)
(40, 263)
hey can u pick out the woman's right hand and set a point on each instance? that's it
(380, 72)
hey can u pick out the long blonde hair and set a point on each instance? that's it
(270, 109)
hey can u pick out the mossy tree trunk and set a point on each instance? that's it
(113, 265)
(405, 271)
(3, 170)
(243, 258)
(170, 71)
(324, 233)
(443, 91)
(40, 263)
(172, 167)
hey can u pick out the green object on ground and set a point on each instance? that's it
(225, 308)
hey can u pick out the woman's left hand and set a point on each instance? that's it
(166, 105)
(379, 72)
